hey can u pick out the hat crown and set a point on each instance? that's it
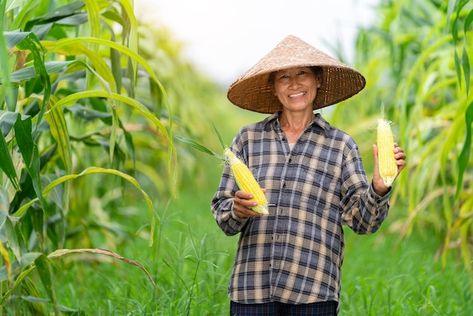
(291, 52)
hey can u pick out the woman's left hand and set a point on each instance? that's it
(400, 157)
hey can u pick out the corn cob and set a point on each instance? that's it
(387, 163)
(246, 181)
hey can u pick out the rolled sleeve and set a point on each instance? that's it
(222, 202)
(363, 210)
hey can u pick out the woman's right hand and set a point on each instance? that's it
(242, 203)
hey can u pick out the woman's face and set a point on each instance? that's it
(296, 88)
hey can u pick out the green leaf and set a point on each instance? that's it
(140, 108)
(468, 21)
(93, 12)
(458, 69)
(30, 154)
(31, 43)
(13, 38)
(28, 73)
(58, 129)
(58, 15)
(98, 170)
(464, 156)
(8, 120)
(97, 251)
(4, 61)
(222, 143)
(68, 44)
(73, 20)
(466, 69)
(86, 113)
(197, 146)
(44, 270)
(6, 163)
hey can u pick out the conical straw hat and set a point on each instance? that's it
(253, 91)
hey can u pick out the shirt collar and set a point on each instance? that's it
(317, 122)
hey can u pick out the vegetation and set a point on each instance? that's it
(417, 60)
(99, 212)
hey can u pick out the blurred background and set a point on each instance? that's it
(105, 195)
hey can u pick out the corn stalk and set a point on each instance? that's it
(68, 97)
(417, 62)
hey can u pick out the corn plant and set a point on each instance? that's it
(68, 103)
(417, 61)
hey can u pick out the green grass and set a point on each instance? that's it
(193, 259)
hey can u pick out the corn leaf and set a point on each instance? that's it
(58, 128)
(6, 163)
(44, 271)
(466, 69)
(131, 34)
(31, 43)
(70, 43)
(98, 170)
(94, 17)
(458, 69)
(194, 144)
(13, 38)
(468, 21)
(6, 261)
(97, 251)
(137, 106)
(464, 156)
(4, 64)
(28, 73)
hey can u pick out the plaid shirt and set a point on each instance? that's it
(294, 254)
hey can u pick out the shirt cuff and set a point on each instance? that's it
(379, 199)
(240, 220)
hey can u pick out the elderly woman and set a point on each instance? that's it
(288, 262)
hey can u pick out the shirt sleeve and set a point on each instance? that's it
(222, 201)
(363, 210)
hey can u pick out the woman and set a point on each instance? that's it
(288, 262)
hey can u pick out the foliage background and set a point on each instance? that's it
(92, 108)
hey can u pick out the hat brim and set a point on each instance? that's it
(253, 91)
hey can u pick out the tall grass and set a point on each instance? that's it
(380, 276)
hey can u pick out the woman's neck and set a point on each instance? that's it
(294, 123)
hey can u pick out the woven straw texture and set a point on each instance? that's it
(252, 91)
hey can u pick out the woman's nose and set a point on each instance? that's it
(293, 82)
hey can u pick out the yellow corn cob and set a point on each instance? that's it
(386, 160)
(246, 181)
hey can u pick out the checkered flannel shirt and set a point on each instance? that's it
(294, 254)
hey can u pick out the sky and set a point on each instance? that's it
(224, 38)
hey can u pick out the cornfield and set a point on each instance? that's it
(93, 105)
(417, 58)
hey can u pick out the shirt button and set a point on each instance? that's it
(290, 160)
(284, 184)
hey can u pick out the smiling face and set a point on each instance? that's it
(296, 88)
